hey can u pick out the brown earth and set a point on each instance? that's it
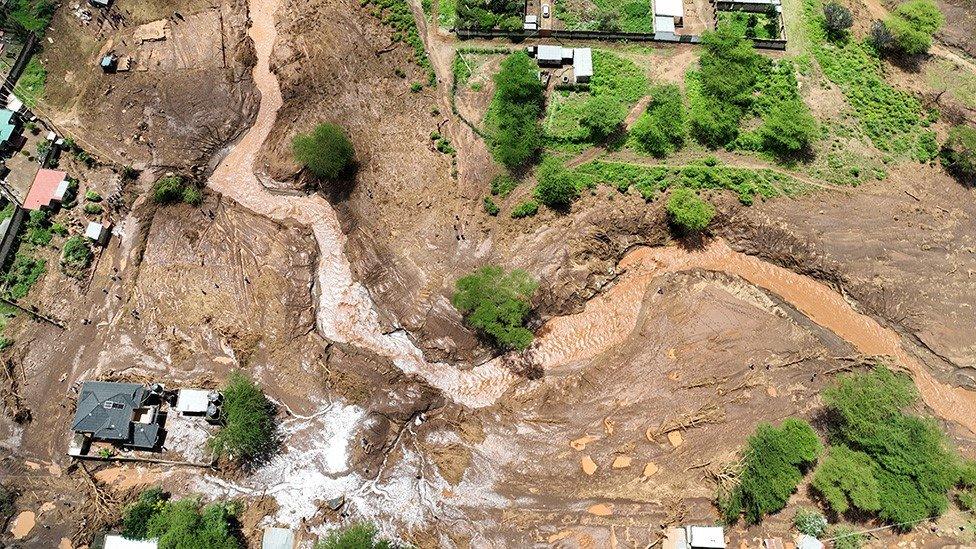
(185, 98)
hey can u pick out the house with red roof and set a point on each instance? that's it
(47, 190)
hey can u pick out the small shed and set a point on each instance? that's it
(548, 55)
(118, 542)
(47, 190)
(664, 24)
(109, 63)
(278, 538)
(97, 233)
(192, 401)
(705, 537)
(671, 8)
(582, 65)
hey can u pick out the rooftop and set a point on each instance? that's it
(44, 189)
(107, 412)
(673, 8)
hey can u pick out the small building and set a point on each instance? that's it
(118, 413)
(192, 401)
(581, 60)
(664, 27)
(99, 3)
(47, 190)
(531, 22)
(695, 537)
(804, 541)
(97, 233)
(582, 65)
(118, 542)
(278, 538)
(670, 8)
(8, 128)
(553, 56)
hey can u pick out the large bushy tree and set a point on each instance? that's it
(837, 18)
(689, 212)
(497, 304)
(959, 153)
(912, 25)
(515, 111)
(788, 128)
(248, 431)
(602, 115)
(661, 130)
(556, 187)
(326, 151)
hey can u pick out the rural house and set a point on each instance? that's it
(120, 413)
(47, 190)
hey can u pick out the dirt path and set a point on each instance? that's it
(594, 152)
(608, 319)
(345, 310)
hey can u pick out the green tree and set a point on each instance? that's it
(185, 524)
(326, 152)
(357, 536)
(556, 187)
(913, 23)
(846, 479)
(135, 520)
(715, 122)
(661, 130)
(173, 189)
(773, 465)
(248, 431)
(76, 256)
(687, 211)
(497, 304)
(959, 153)
(27, 16)
(602, 115)
(515, 110)
(728, 65)
(788, 128)
(837, 18)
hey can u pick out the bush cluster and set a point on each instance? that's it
(357, 536)
(497, 304)
(556, 185)
(912, 25)
(958, 153)
(773, 465)
(810, 522)
(326, 151)
(837, 19)
(602, 116)
(76, 256)
(661, 130)
(181, 524)
(25, 271)
(248, 431)
(688, 212)
(27, 16)
(489, 14)
(515, 110)
(174, 189)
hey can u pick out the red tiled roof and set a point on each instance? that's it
(42, 189)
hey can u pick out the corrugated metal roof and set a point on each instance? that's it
(582, 62)
(674, 8)
(118, 542)
(549, 53)
(278, 538)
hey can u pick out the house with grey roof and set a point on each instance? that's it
(118, 413)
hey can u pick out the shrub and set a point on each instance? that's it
(837, 18)
(491, 208)
(728, 65)
(602, 116)
(688, 212)
(912, 25)
(7, 499)
(810, 522)
(515, 110)
(248, 432)
(503, 184)
(76, 256)
(846, 479)
(661, 130)
(908, 455)
(185, 524)
(357, 536)
(173, 189)
(497, 304)
(326, 152)
(92, 196)
(773, 466)
(28, 16)
(881, 38)
(846, 537)
(93, 208)
(525, 209)
(788, 129)
(714, 122)
(958, 153)
(23, 274)
(59, 229)
(556, 187)
(38, 228)
(135, 521)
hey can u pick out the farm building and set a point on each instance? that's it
(581, 60)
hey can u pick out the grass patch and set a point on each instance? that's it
(751, 25)
(30, 86)
(892, 119)
(651, 181)
(945, 75)
(25, 271)
(447, 13)
(609, 15)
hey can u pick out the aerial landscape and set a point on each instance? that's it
(349, 274)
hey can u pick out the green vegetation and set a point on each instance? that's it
(688, 212)
(810, 522)
(497, 304)
(788, 128)
(76, 256)
(892, 119)
(447, 13)
(751, 25)
(30, 86)
(503, 184)
(513, 116)
(27, 16)
(491, 208)
(837, 19)
(92, 196)
(174, 189)
(602, 116)
(959, 153)
(37, 230)
(650, 181)
(526, 209)
(661, 130)
(93, 208)
(326, 152)
(181, 524)
(883, 460)
(608, 15)
(397, 15)
(7, 508)
(556, 187)
(847, 537)
(25, 271)
(489, 14)
(773, 465)
(912, 25)
(248, 431)
(357, 536)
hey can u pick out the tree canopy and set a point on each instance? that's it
(497, 304)
(661, 130)
(959, 153)
(248, 432)
(326, 152)
(515, 111)
(912, 25)
(602, 115)
(788, 128)
(357, 536)
(837, 18)
(181, 524)
(687, 211)
(556, 187)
